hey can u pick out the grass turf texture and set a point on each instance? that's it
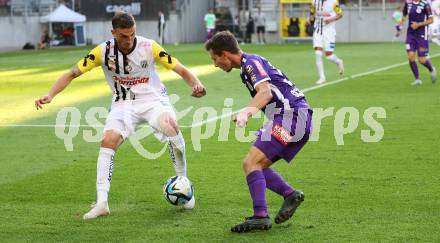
(385, 191)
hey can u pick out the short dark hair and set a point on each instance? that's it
(223, 41)
(123, 20)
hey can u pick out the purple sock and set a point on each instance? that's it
(428, 65)
(257, 188)
(414, 69)
(276, 183)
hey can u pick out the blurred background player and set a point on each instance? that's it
(434, 28)
(419, 16)
(397, 18)
(285, 134)
(128, 62)
(161, 27)
(210, 20)
(324, 14)
(260, 22)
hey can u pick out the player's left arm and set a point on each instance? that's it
(260, 100)
(338, 11)
(169, 62)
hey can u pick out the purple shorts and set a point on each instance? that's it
(285, 135)
(416, 43)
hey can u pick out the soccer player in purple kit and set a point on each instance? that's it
(288, 129)
(420, 16)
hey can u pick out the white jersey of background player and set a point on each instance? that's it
(128, 62)
(325, 13)
(435, 26)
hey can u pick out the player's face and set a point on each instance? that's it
(125, 37)
(221, 61)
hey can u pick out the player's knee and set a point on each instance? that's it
(250, 165)
(422, 60)
(111, 139)
(168, 125)
(328, 54)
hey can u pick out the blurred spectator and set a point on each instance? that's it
(236, 25)
(293, 29)
(161, 27)
(260, 22)
(4, 7)
(210, 20)
(44, 40)
(250, 29)
(68, 35)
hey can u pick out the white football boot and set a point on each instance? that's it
(341, 67)
(190, 204)
(434, 75)
(97, 210)
(321, 81)
(417, 82)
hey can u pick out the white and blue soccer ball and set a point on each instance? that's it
(178, 190)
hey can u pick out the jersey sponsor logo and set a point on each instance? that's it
(131, 81)
(250, 72)
(281, 134)
(260, 68)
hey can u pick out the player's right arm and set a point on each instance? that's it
(404, 14)
(84, 65)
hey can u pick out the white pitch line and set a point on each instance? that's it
(305, 90)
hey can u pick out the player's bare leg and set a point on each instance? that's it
(432, 71)
(320, 65)
(110, 142)
(414, 68)
(176, 145)
(253, 166)
(333, 58)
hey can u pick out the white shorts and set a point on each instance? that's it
(124, 117)
(434, 30)
(326, 41)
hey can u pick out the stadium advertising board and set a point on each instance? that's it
(105, 9)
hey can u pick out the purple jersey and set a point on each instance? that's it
(417, 11)
(256, 69)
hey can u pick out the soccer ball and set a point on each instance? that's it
(178, 190)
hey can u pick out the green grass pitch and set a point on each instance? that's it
(358, 192)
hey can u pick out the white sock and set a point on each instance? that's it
(320, 64)
(177, 152)
(436, 41)
(104, 171)
(334, 58)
